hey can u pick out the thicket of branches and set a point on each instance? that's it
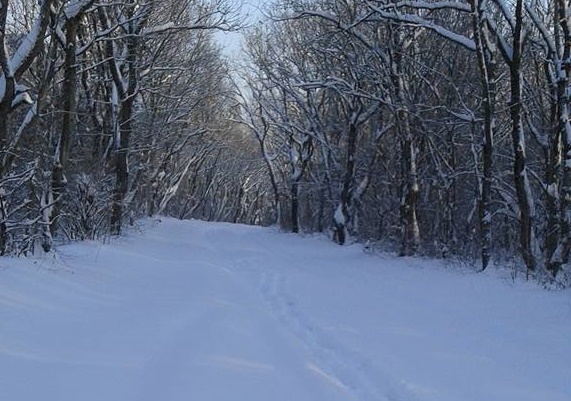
(440, 126)
(112, 110)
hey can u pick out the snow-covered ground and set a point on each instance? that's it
(207, 312)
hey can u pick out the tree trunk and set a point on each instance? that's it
(121, 165)
(563, 99)
(552, 204)
(267, 160)
(69, 101)
(8, 82)
(553, 156)
(411, 235)
(410, 188)
(485, 64)
(126, 82)
(522, 185)
(295, 206)
(342, 216)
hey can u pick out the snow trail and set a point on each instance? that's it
(348, 370)
(213, 312)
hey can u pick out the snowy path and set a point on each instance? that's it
(199, 311)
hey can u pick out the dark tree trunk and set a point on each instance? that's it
(295, 206)
(69, 101)
(343, 216)
(522, 185)
(553, 156)
(411, 235)
(126, 82)
(5, 109)
(563, 99)
(486, 67)
(410, 189)
(275, 188)
(121, 165)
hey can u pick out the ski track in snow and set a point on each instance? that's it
(340, 371)
(348, 369)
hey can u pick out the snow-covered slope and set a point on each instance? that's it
(208, 312)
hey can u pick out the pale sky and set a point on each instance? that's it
(231, 41)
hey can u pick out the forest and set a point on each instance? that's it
(428, 128)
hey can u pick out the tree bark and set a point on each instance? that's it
(563, 100)
(522, 185)
(342, 217)
(69, 109)
(410, 192)
(411, 235)
(12, 69)
(121, 165)
(486, 67)
(126, 81)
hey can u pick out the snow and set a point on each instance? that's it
(74, 8)
(161, 28)
(427, 24)
(204, 311)
(25, 48)
(553, 190)
(339, 217)
(22, 98)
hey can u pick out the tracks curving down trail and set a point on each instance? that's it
(348, 369)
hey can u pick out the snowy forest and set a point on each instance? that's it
(437, 128)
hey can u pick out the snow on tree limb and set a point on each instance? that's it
(381, 15)
(420, 22)
(31, 44)
(77, 8)
(424, 5)
(542, 28)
